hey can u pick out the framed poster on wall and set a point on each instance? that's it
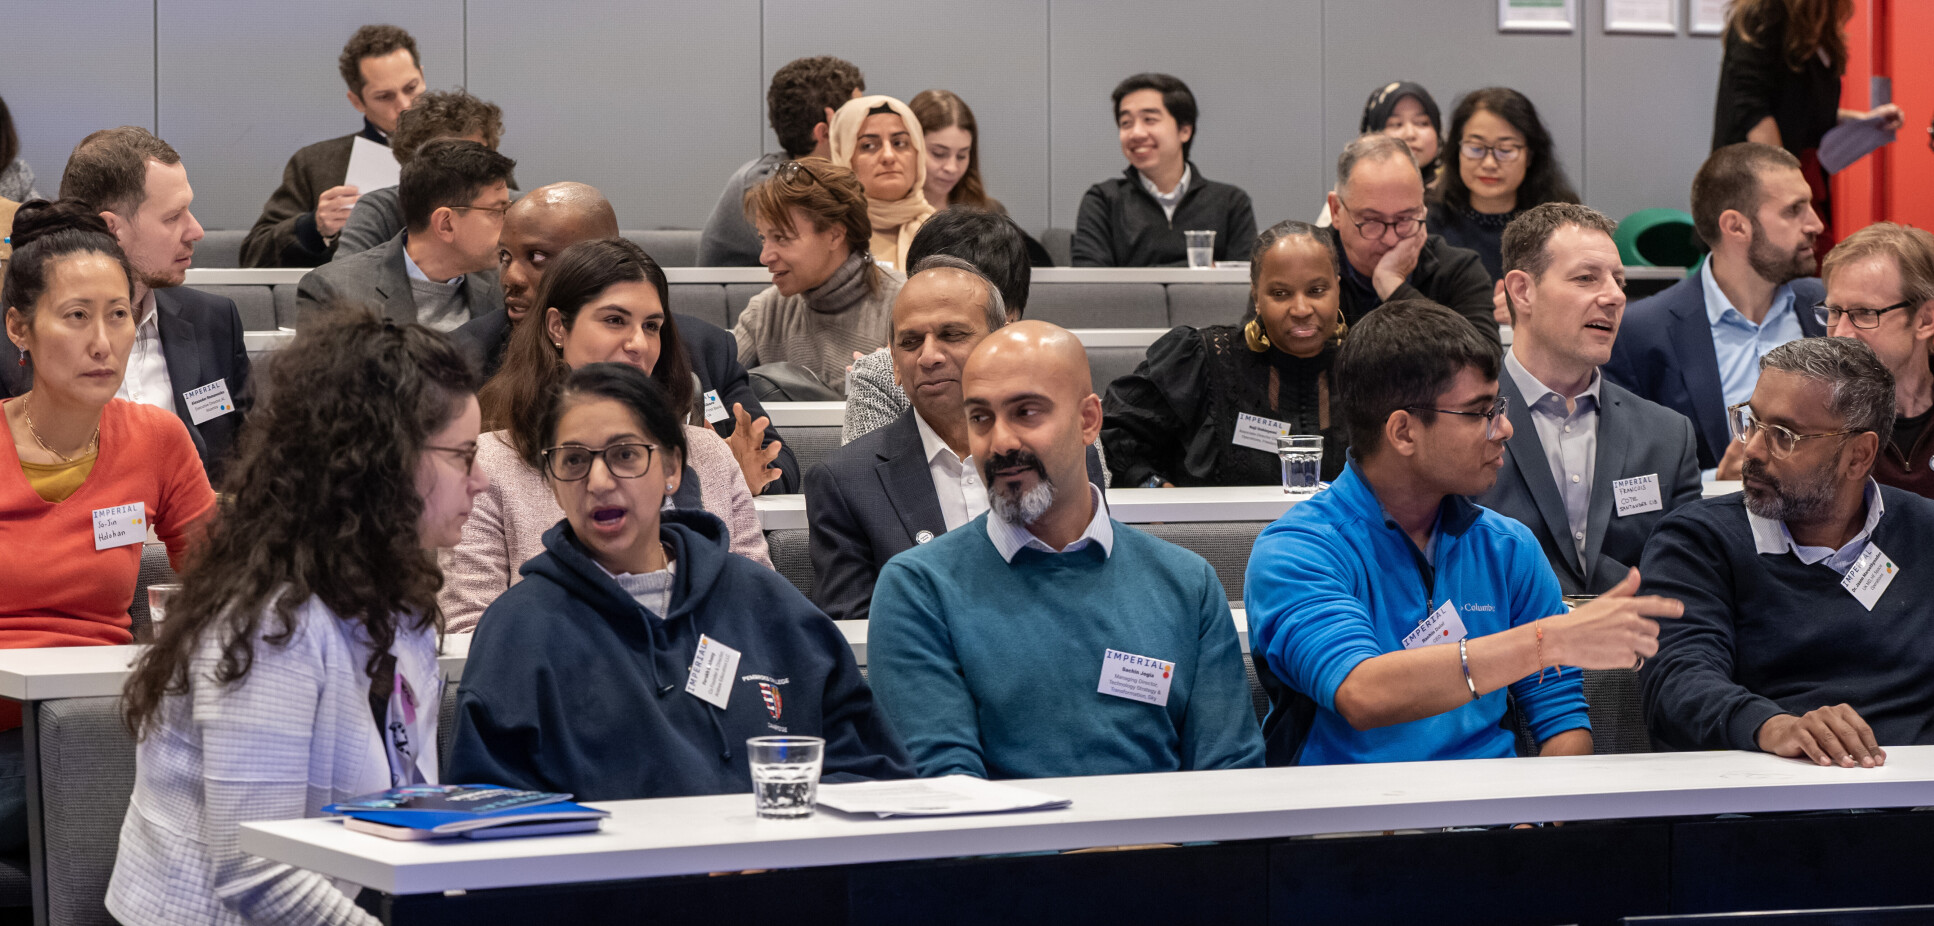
(1708, 17)
(1537, 15)
(1647, 17)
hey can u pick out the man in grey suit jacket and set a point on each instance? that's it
(1590, 467)
(439, 271)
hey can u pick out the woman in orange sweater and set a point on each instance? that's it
(84, 475)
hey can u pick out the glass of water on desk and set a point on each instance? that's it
(785, 775)
(1201, 249)
(1302, 463)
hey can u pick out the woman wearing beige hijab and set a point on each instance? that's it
(879, 139)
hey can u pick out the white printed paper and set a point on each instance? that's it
(713, 668)
(1442, 626)
(120, 526)
(1258, 432)
(1653, 16)
(1137, 678)
(714, 409)
(210, 401)
(1637, 495)
(931, 797)
(372, 166)
(1869, 576)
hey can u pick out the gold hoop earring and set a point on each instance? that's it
(1254, 335)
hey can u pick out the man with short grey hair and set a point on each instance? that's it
(1378, 210)
(1809, 602)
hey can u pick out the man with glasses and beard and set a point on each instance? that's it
(1695, 347)
(1043, 638)
(1808, 610)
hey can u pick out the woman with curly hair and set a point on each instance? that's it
(297, 666)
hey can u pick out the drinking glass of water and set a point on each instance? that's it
(1302, 463)
(785, 775)
(1201, 249)
(158, 596)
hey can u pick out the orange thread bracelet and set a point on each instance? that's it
(1538, 628)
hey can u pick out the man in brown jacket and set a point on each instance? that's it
(302, 218)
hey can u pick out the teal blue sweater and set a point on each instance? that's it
(991, 669)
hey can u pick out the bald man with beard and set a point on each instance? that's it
(551, 218)
(1044, 638)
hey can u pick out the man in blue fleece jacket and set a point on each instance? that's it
(1389, 614)
(1043, 638)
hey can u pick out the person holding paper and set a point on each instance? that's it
(1043, 638)
(1880, 289)
(1389, 616)
(189, 357)
(1808, 611)
(638, 655)
(1591, 467)
(378, 214)
(300, 222)
(298, 663)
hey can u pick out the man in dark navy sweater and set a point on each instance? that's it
(1809, 606)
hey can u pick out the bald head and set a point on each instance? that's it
(542, 224)
(1031, 414)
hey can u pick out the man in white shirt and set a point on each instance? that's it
(188, 356)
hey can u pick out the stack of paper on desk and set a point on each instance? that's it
(935, 797)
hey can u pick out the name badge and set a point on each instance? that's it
(1258, 432)
(210, 401)
(1137, 678)
(1869, 576)
(714, 409)
(120, 526)
(1442, 626)
(1637, 495)
(713, 668)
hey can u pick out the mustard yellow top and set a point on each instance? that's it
(53, 482)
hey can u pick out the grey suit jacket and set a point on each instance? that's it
(378, 279)
(1635, 438)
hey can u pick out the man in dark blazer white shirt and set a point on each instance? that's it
(883, 493)
(189, 356)
(1695, 346)
(1590, 467)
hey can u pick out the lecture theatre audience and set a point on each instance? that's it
(878, 138)
(1389, 616)
(1880, 289)
(1137, 220)
(1590, 467)
(604, 303)
(800, 104)
(378, 214)
(291, 644)
(956, 647)
(569, 682)
(300, 221)
(1695, 347)
(1807, 612)
(1176, 420)
(186, 341)
(829, 300)
(1505, 163)
(442, 271)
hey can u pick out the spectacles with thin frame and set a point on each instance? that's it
(1782, 441)
(1830, 315)
(1476, 152)
(570, 463)
(1491, 416)
(498, 211)
(1404, 227)
(466, 455)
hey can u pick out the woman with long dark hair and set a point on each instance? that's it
(297, 665)
(1501, 161)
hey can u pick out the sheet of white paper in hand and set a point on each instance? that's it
(371, 166)
(1852, 140)
(935, 797)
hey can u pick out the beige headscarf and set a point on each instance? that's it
(908, 212)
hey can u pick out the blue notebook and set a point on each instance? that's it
(477, 811)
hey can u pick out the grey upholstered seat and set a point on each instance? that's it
(792, 557)
(220, 249)
(1201, 304)
(699, 300)
(811, 444)
(155, 569)
(1059, 243)
(1107, 364)
(670, 247)
(86, 776)
(736, 296)
(1225, 544)
(256, 302)
(1099, 305)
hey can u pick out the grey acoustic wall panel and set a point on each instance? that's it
(1256, 70)
(995, 59)
(655, 104)
(72, 67)
(1648, 116)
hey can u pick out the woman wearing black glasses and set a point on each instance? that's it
(581, 677)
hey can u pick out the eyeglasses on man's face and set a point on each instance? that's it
(1374, 228)
(1780, 441)
(570, 463)
(1492, 416)
(1830, 315)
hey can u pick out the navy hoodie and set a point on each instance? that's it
(573, 686)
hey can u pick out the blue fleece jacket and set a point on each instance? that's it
(991, 669)
(1334, 582)
(573, 686)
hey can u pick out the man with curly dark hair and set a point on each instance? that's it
(799, 106)
(378, 215)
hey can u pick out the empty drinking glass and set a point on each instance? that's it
(158, 596)
(1302, 463)
(1201, 249)
(785, 775)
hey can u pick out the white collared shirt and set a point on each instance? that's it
(955, 481)
(1168, 201)
(1771, 538)
(146, 380)
(1569, 440)
(1010, 539)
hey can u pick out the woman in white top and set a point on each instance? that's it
(297, 664)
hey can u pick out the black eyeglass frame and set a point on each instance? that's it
(550, 461)
(1491, 416)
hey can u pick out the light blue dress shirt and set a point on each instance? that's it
(1738, 342)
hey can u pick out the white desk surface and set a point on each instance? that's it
(679, 836)
(99, 671)
(1129, 506)
(803, 413)
(214, 276)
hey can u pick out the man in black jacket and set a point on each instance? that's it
(1138, 219)
(1379, 211)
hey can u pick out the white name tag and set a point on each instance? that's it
(1258, 432)
(1442, 626)
(713, 668)
(1869, 576)
(120, 526)
(1137, 678)
(714, 409)
(210, 401)
(1637, 495)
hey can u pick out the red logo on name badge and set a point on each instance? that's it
(775, 704)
